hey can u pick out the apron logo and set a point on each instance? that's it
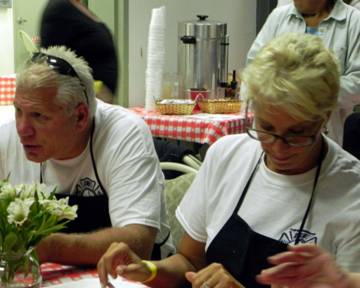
(87, 187)
(305, 237)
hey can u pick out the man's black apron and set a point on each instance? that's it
(242, 251)
(93, 211)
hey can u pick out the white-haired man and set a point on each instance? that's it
(100, 155)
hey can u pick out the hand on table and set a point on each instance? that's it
(119, 259)
(304, 266)
(214, 275)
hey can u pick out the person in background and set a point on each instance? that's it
(283, 2)
(307, 266)
(338, 25)
(71, 24)
(282, 183)
(354, 3)
(99, 155)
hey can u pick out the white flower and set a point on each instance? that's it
(43, 191)
(26, 191)
(60, 208)
(7, 191)
(30, 212)
(19, 210)
(29, 191)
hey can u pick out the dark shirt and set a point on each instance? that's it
(64, 24)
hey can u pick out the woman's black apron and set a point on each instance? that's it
(93, 211)
(242, 251)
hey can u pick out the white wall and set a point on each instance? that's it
(7, 42)
(240, 17)
(105, 11)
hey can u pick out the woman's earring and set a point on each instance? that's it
(325, 130)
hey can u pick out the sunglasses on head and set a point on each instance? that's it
(60, 65)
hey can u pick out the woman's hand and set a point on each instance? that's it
(214, 275)
(304, 266)
(119, 259)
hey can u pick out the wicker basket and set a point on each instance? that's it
(175, 108)
(220, 106)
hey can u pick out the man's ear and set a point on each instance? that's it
(82, 116)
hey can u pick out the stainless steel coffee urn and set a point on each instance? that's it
(202, 57)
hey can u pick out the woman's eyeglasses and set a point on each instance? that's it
(59, 65)
(291, 140)
(270, 138)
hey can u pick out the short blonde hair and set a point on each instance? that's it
(70, 91)
(297, 73)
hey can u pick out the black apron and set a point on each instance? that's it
(93, 211)
(242, 251)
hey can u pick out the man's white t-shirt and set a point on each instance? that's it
(125, 160)
(275, 204)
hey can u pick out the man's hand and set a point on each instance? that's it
(119, 259)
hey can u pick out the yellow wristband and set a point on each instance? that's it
(152, 268)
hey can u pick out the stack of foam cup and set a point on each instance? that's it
(155, 58)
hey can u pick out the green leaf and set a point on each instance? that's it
(40, 221)
(10, 241)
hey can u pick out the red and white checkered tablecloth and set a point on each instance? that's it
(7, 89)
(56, 274)
(199, 128)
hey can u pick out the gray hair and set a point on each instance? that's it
(70, 90)
(295, 72)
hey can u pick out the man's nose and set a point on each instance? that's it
(24, 126)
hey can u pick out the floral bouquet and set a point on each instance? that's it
(28, 213)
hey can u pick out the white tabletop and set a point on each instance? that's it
(95, 283)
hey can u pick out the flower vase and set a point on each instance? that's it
(20, 270)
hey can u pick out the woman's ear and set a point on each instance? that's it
(325, 129)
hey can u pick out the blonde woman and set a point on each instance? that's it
(338, 25)
(282, 183)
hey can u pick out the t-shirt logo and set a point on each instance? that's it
(88, 187)
(305, 237)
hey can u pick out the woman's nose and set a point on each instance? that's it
(279, 146)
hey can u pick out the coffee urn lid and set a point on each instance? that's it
(202, 28)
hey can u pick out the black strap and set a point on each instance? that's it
(320, 160)
(93, 158)
(311, 200)
(158, 245)
(246, 188)
(41, 172)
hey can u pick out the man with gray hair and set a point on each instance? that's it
(99, 155)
